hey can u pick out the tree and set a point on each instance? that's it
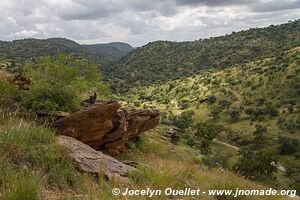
(260, 138)
(184, 120)
(255, 161)
(257, 165)
(205, 133)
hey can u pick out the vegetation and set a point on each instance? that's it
(255, 104)
(59, 82)
(161, 61)
(234, 98)
(19, 51)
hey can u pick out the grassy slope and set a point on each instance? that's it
(33, 167)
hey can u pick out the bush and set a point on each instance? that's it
(58, 83)
(271, 110)
(184, 120)
(288, 145)
(215, 160)
(234, 114)
(211, 99)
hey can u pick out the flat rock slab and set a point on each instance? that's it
(89, 160)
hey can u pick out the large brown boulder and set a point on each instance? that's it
(106, 126)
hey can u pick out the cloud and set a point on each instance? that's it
(138, 21)
(213, 2)
(276, 5)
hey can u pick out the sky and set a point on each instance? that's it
(138, 22)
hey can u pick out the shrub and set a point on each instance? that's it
(211, 99)
(271, 110)
(215, 112)
(288, 145)
(234, 114)
(220, 159)
(184, 120)
(58, 82)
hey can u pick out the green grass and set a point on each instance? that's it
(31, 159)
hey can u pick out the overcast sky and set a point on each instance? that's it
(138, 22)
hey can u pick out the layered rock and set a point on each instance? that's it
(106, 126)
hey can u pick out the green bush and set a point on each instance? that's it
(58, 83)
(184, 120)
(288, 145)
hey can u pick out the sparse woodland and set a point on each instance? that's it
(229, 107)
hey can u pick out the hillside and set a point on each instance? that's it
(21, 50)
(164, 60)
(110, 52)
(215, 114)
(264, 92)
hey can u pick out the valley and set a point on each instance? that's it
(229, 110)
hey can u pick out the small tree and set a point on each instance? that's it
(260, 138)
(256, 162)
(205, 133)
(184, 120)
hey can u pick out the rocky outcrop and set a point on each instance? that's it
(106, 126)
(91, 161)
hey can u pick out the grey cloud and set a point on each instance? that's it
(88, 10)
(276, 5)
(213, 2)
(137, 21)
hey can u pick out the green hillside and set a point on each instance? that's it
(110, 52)
(21, 50)
(164, 60)
(265, 92)
(230, 113)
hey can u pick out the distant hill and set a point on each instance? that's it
(165, 60)
(109, 52)
(20, 50)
